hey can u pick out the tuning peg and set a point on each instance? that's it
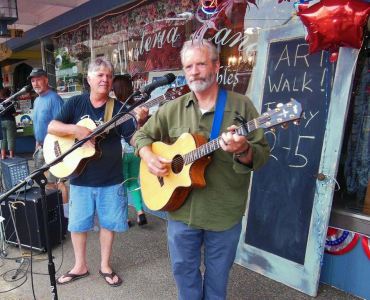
(284, 125)
(297, 122)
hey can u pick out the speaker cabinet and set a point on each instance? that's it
(14, 170)
(28, 218)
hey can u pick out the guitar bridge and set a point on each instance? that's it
(57, 150)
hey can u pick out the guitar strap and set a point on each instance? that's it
(219, 113)
(108, 113)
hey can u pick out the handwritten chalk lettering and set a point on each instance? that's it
(323, 80)
(308, 118)
(322, 61)
(298, 56)
(301, 54)
(299, 155)
(284, 56)
(226, 78)
(269, 104)
(285, 86)
(273, 144)
(297, 152)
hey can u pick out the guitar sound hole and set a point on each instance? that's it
(177, 164)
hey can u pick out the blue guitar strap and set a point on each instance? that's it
(219, 114)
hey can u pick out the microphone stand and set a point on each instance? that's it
(4, 109)
(13, 97)
(39, 177)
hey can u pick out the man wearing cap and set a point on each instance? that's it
(46, 106)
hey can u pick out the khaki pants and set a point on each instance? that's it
(38, 157)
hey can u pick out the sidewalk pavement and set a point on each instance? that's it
(140, 256)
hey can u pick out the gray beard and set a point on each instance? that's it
(200, 86)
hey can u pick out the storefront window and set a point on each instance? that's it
(354, 171)
(143, 40)
(72, 56)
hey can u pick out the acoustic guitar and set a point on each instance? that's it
(190, 156)
(74, 163)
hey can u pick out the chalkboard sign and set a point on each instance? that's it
(282, 193)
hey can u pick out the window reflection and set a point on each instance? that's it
(354, 169)
(72, 55)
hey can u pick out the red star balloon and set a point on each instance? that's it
(335, 23)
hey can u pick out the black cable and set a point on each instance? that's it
(30, 239)
(14, 271)
(12, 289)
(30, 265)
(29, 262)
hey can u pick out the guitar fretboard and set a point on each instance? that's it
(214, 144)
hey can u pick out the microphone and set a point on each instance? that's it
(23, 90)
(166, 79)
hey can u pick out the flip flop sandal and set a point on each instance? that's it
(111, 276)
(73, 277)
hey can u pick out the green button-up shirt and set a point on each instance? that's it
(221, 204)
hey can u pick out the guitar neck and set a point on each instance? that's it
(127, 117)
(288, 112)
(214, 144)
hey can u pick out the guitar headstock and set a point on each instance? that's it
(176, 92)
(282, 114)
(169, 95)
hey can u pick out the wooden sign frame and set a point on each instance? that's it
(303, 277)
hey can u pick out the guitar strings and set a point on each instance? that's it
(181, 160)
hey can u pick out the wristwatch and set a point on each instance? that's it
(241, 154)
(244, 153)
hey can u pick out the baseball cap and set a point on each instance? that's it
(37, 72)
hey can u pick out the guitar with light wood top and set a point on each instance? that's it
(74, 163)
(189, 157)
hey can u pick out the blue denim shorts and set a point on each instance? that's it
(108, 203)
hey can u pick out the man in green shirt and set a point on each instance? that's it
(210, 216)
